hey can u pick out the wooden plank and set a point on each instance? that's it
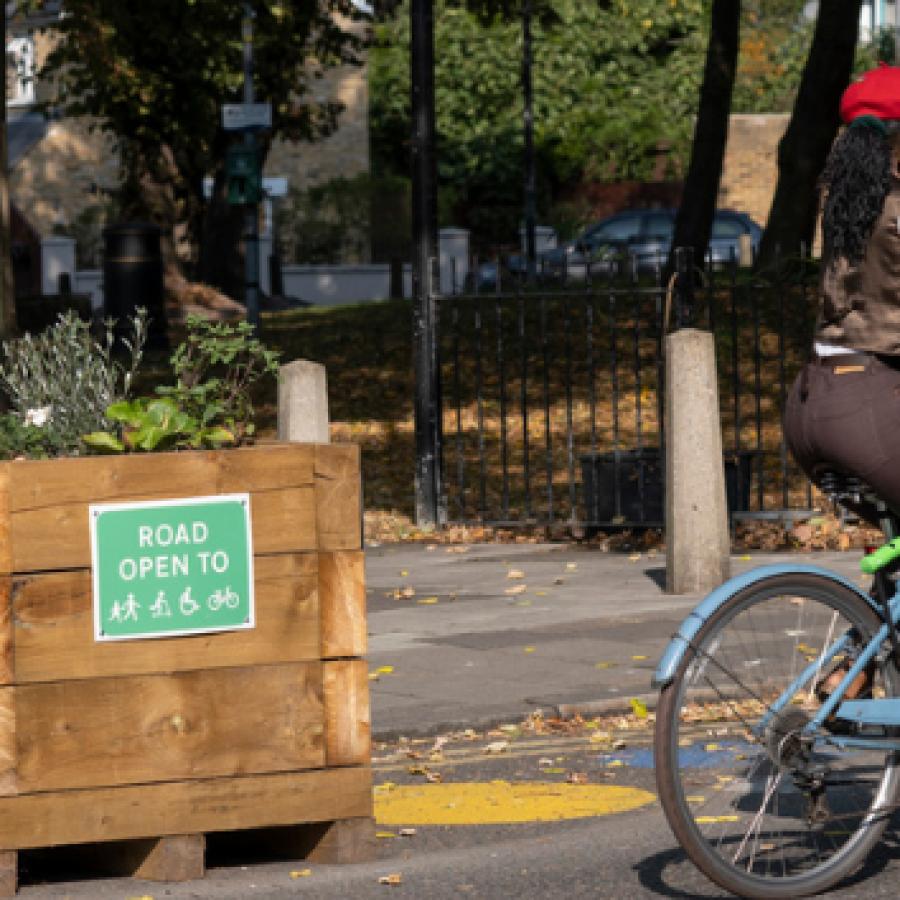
(36, 484)
(115, 731)
(9, 873)
(177, 858)
(342, 602)
(8, 751)
(48, 499)
(54, 639)
(348, 722)
(7, 639)
(337, 496)
(184, 807)
(5, 545)
(345, 841)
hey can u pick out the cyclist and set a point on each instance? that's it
(843, 410)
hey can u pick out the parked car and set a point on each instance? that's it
(633, 239)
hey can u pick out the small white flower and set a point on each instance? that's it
(38, 417)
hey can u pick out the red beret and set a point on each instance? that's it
(876, 93)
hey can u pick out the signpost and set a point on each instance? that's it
(246, 116)
(172, 567)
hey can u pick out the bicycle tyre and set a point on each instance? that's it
(719, 819)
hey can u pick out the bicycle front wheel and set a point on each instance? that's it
(760, 811)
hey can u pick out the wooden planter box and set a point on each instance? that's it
(169, 739)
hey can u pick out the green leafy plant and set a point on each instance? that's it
(60, 382)
(210, 404)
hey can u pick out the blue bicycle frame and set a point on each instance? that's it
(875, 712)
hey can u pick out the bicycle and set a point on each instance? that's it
(777, 783)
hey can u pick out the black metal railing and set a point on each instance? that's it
(553, 395)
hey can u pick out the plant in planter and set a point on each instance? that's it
(210, 404)
(59, 384)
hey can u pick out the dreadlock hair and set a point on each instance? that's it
(857, 178)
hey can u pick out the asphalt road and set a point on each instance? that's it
(620, 855)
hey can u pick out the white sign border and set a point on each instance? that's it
(95, 510)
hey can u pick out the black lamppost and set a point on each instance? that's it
(428, 486)
(528, 116)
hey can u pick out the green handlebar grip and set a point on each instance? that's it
(881, 557)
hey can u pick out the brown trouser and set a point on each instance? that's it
(843, 414)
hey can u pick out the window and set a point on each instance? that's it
(727, 227)
(659, 225)
(618, 230)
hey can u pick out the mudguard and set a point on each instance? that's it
(673, 654)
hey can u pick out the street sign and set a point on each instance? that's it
(246, 116)
(172, 567)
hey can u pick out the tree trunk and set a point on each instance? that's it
(811, 131)
(694, 220)
(221, 247)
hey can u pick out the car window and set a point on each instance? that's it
(727, 227)
(617, 230)
(659, 225)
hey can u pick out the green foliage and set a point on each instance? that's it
(60, 382)
(155, 76)
(616, 87)
(209, 405)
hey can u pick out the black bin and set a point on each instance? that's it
(637, 496)
(133, 277)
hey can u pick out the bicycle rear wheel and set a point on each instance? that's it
(736, 792)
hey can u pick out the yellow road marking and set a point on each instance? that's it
(502, 802)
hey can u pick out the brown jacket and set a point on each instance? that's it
(859, 306)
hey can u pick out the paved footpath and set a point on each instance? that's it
(467, 645)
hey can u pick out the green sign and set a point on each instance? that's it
(172, 567)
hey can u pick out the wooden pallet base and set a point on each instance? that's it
(183, 857)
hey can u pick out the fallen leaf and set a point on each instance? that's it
(552, 770)
(516, 589)
(614, 763)
(540, 593)
(393, 878)
(523, 603)
(695, 798)
(427, 601)
(711, 748)
(385, 834)
(711, 820)
(384, 670)
(639, 657)
(404, 573)
(639, 708)
(497, 747)
(604, 665)
(571, 566)
(529, 649)
(515, 573)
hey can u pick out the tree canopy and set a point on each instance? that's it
(155, 75)
(616, 88)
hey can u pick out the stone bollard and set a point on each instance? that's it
(697, 538)
(303, 402)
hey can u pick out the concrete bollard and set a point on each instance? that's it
(697, 539)
(303, 402)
